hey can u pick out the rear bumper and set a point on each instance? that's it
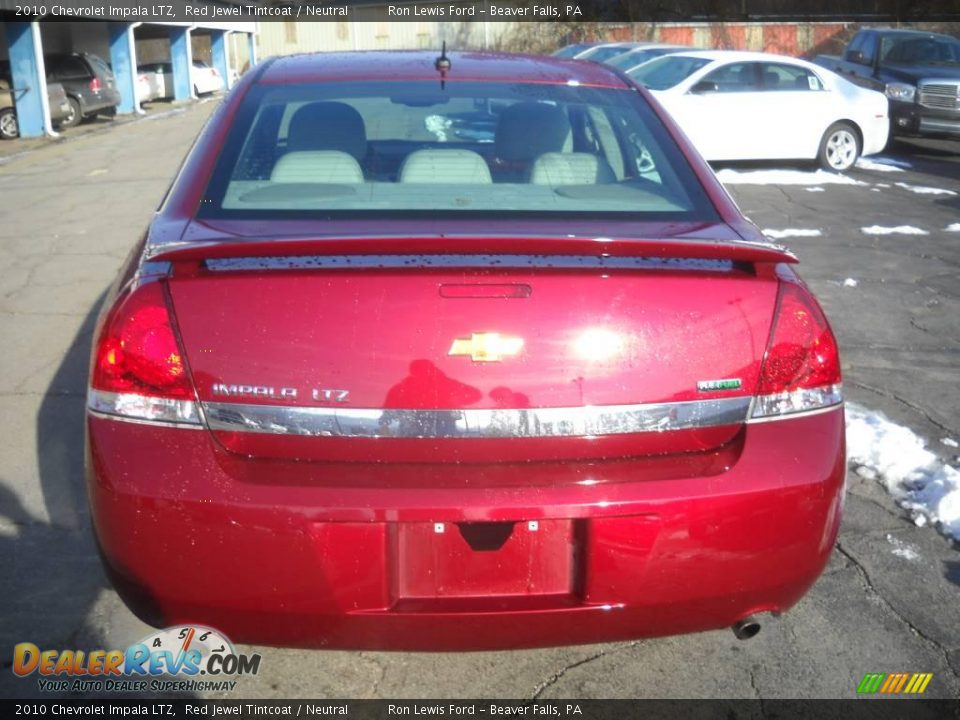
(333, 565)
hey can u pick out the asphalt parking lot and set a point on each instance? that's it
(70, 213)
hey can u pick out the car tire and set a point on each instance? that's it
(839, 148)
(9, 128)
(75, 116)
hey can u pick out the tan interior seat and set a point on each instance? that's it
(555, 168)
(445, 167)
(317, 166)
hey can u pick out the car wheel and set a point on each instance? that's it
(839, 148)
(75, 116)
(9, 129)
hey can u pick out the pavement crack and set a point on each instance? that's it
(555, 678)
(868, 585)
(916, 408)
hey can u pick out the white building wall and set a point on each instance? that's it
(283, 38)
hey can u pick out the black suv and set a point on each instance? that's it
(89, 82)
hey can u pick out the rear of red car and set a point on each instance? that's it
(341, 410)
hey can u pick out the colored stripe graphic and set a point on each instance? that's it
(894, 683)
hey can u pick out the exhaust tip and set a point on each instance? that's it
(746, 628)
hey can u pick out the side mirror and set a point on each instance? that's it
(704, 86)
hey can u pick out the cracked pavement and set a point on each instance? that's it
(71, 211)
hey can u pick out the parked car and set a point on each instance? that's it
(759, 106)
(605, 51)
(89, 83)
(638, 56)
(205, 79)
(150, 85)
(9, 127)
(918, 71)
(363, 386)
(569, 51)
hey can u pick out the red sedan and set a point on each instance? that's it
(458, 353)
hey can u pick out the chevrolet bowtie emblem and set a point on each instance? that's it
(487, 347)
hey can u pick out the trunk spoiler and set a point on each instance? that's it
(738, 251)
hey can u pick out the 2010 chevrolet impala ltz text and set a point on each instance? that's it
(458, 353)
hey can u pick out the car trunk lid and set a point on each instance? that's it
(426, 357)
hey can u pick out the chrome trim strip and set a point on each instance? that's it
(133, 407)
(450, 260)
(141, 421)
(590, 421)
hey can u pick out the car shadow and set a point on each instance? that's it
(55, 581)
(51, 562)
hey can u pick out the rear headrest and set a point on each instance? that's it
(328, 126)
(445, 166)
(528, 129)
(771, 79)
(317, 166)
(571, 169)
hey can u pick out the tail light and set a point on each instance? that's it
(95, 85)
(801, 368)
(138, 367)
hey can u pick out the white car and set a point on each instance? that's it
(205, 79)
(760, 106)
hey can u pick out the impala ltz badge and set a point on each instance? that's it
(330, 395)
(487, 347)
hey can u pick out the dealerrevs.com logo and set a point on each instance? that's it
(177, 659)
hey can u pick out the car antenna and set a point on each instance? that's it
(443, 65)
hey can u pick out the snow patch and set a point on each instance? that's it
(898, 230)
(895, 456)
(881, 165)
(783, 177)
(949, 442)
(814, 189)
(902, 549)
(850, 282)
(952, 227)
(924, 190)
(791, 232)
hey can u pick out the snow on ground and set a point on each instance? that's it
(790, 232)
(816, 188)
(902, 549)
(924, 190)
(783, 177)
(881, 164)
(850, 282)
(898, 230)
(953, 227)
(895, 456)
(949, 442)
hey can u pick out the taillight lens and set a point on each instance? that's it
(801, 369)
(95, 85)
(138, 367)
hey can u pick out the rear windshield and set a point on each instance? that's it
(665, 72)
(397, 149)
